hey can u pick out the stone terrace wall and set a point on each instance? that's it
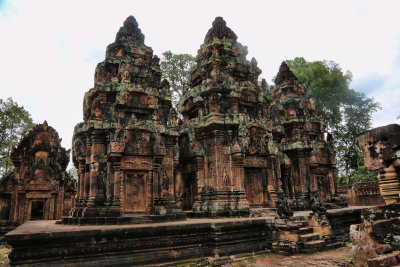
(361, 194)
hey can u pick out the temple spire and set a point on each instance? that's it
(130, 31)
(219, 30)
(285, 75)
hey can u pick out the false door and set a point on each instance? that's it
(135, 192)
(254, 188)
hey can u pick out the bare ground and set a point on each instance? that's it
(335, 257)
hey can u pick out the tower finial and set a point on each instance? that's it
(285, 75)
(130, 31)
(219, 30)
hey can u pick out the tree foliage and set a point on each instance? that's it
(362, 174)
(15, 122)
(346, 112)
(327, 84)
(73, 173)
(176, 69)
(357, 113)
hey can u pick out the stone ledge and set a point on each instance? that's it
(47, 243)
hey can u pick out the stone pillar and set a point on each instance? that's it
(304, 173)
(178, 184)
(86, 180)
(117, 184)
(272, 181)
(200, 173)
(97, 169)
(52, 212)
(81, 187)
(156, 174)
(60, 203)
(168, 165)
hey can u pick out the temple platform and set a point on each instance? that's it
(46, 243)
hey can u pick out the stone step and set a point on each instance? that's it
(335, 245)
(389, 259)
(313, 246)
(263, 212)
(309, 237)
(306, 230)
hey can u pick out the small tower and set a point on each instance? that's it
(309, 160)
(38, 188)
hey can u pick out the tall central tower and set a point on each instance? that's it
(224, 95)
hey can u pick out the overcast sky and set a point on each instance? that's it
(49, 49)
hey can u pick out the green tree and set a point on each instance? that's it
(15, 122)
(327, 84)
(357, 113)
(73, 173)
(362, 174)
(346, 112)
(176, 69)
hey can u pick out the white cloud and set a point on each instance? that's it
(49, 49)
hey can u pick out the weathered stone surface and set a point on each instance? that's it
(381, 149)
(361, 194)
(137, 245)
(381, 146)
(38, 188)
(374, 240)
(378, 234)
(124, 149)
(307, 159)
(341, 219)
(283, 208)
(189, 242)
(238, 145)
(389, 259)
(241, 142)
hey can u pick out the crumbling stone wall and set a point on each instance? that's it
(381, 149)
(361, 194)
(38, 187)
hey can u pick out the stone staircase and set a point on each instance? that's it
(311, 239)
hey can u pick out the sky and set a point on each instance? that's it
(49, 49)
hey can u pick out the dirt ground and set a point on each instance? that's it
(335, 257)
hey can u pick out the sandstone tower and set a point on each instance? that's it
(124, 148)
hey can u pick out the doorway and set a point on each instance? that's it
(254, 187)
(37, 210)
(190, 190)
(135, 192)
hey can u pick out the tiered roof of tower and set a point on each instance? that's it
(127, 89)
(224, 84)
(291, 109)
(40, 149)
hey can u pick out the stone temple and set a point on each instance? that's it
(238, 144)
(38, 188)
(236, 151)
